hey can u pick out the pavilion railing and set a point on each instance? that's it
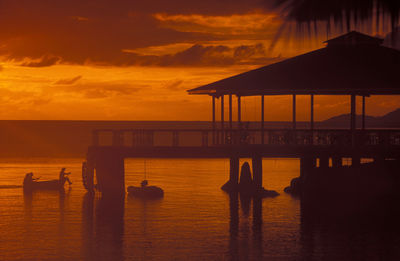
(209, 138)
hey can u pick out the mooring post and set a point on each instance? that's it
(234, 171)
(257, 171)
(110, 172)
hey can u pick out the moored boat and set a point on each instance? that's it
(145, 191)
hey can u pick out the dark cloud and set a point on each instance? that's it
(42, 62)
(173, 85)
(200, 55)
(68, 81)
(82, 31)
(248, 51)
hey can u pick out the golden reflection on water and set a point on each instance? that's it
(195, 220)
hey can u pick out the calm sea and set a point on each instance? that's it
(194, 221)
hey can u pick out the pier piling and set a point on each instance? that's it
(257, 171)
(337, 162)
(306, 165)
(110, 173)
(324, 162)
(234, 171)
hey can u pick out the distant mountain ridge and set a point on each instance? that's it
(389, 120)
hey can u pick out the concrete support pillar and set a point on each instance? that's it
(262, 119)
(306, 165)
(90, 166)
(234, 171)
(324, 162)
(110, 172)
(257, 171)
(257, 215)
(379, 160)
(337, 162)
(355, 161)
(234, 214)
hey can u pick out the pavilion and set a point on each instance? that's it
(353, 64)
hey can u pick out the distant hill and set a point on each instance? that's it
(72, 138)
(390, 120)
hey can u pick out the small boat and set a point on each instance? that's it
(44, 185)
(30, 183)
(145, 191)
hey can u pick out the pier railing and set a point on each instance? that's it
(208, 138)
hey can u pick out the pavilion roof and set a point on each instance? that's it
(350, 64)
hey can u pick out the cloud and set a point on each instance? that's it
(211, 55)
(99, 90)
(82, 32)
(42, 62)
(23, 98)
(235, 24)
(173, 85)
(68, 81)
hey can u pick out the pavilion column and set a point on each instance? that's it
(363, 113)
(230, 111)
(230, 120)
(239, 110)
(213, 119)
(294, 120)
(353, 118)
(262, 119)
(312, 119)
(312, 113)
(222, 120)
(294, 111)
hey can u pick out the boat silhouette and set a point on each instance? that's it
(145, 191)
(31, 183)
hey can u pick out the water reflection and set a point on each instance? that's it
(143, 214)
(102, 227)
(44, 216)
(239, 240)
(327, 234)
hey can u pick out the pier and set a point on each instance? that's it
(316, 148)
(354, 65)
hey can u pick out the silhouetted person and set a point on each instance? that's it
(64, 176)
(29, 178)
(144, 183)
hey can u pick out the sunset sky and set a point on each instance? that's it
(134, 60)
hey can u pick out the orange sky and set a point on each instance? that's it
(119, 60)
